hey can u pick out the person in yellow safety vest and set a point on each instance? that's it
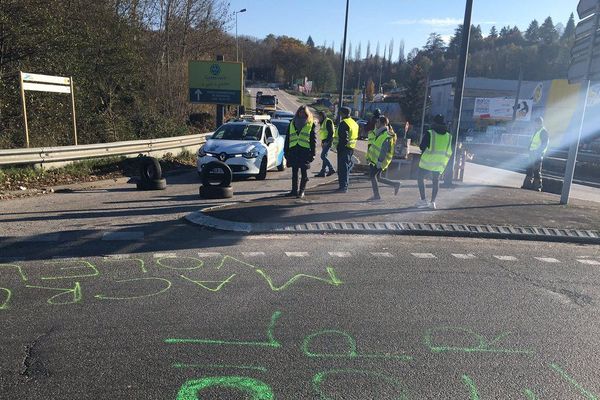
(381, 151)
(344, 140)
(326, 132)
(300, 147)
(436, 150)
(537, 151)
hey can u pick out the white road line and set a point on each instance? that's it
(465, 256)
(423, 255)
(269, 237)
(340, 254)
(548, 260)
(253, 253)
(296, 254)
(506, 258)
(386, 255)
(589, 262)
(117, 256)
(164, 255)
(206, 255)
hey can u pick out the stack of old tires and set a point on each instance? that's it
(151, 175)
(216, 186)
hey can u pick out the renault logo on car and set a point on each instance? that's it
(223, 156)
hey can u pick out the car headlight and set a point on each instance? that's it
(201, 152)
(251, 154)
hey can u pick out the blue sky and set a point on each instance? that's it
(382, 20)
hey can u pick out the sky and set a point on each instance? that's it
(383, 20)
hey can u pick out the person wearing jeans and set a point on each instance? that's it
(381, 151)
(344, 140)
(327, 129)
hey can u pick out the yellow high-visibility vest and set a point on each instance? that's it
(323, 132)
(536, 142)
(376, 147)
(352, 133)
(435, 157)
(301, 138)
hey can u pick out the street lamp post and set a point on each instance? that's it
(343, 77)
(459, 90)
(237, 49)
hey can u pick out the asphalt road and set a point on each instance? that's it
(301, 317)
(287, 102)
(107, 293)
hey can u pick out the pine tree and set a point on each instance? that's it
(548, 33)
(569, 32)
(493, 33)
(532, 34)
(368, 49)
(401, 55)
(310, 42)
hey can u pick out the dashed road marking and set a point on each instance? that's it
(253, 254)
(423, 255)
(464, 256)
(548, 260)
(506, 258)
(589, 262)
(296, 254)
(207, 255)
(386, 255)
(164, 255)
(340, 254)
(117, 256)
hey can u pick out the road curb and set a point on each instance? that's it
(401, 228)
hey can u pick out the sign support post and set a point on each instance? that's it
(73, 111)
(220, 117)
(25, 125)
(584, 67)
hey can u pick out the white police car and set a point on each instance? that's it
(250, 146)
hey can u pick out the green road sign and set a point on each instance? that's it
(215, 82)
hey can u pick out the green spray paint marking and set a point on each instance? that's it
(471, 386)
(483, 346)
(200, 263)
(219, 366)
(212, 289)
(19, 270)
(333, 280)
(257, 390)
(351, 351)
(168, 286)
(573, 382)
(75, 292)
(5, 304)
(271, 341)
(321, 377)
(530, 395)
(86, 265)
(139, 260)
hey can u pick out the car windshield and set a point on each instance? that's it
(267, 101)
(238, 132)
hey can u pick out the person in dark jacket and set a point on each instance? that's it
(344, 140)
(300, 148)
(537, 150)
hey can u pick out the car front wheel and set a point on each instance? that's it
(262, 175)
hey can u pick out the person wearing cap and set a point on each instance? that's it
(537, 151)
(344, 139)
(436, 150)
(327, 129)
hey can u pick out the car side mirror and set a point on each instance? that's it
(270, 140)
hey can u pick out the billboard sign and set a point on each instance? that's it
(501, 109)
(215, 82)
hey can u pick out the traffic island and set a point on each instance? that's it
(468, 210)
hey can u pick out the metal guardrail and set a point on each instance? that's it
(42, 155)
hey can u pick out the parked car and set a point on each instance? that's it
(283, 115)
(250, 147)
(282, 126)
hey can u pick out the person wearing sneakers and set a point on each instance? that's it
(300, 145)
(436, 150)
(327, 128)
(344, 140)
(381, 151)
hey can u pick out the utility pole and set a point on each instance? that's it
(341, 102)
(424, 109)
(459, 90)
(237, 47)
